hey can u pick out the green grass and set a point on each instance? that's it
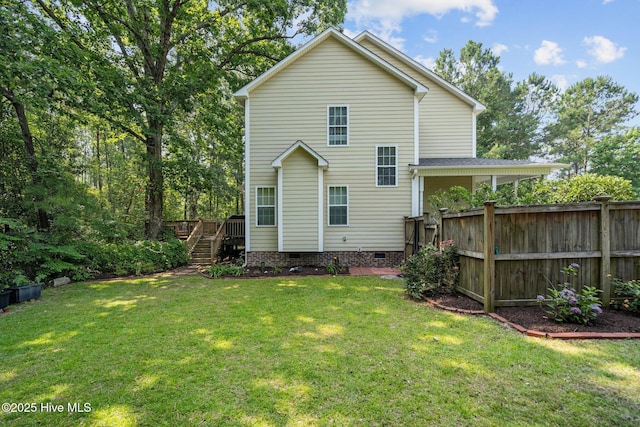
(306, 351)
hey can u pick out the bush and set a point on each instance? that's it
(629, 294)
(431, 271)
(583, 188)
(28, 255)
(219, 270)
(567, 305)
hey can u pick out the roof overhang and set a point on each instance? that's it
(277, 163)
(479, 167)
(419, 89)
(477, 106)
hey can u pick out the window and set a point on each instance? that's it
(338, 125)
(386, 166)
(338, 205)
(266, 206)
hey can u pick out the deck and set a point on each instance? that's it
(207, 240)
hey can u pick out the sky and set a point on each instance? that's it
(564, 40)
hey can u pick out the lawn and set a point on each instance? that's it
(307, 351)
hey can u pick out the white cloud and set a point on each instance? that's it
(581, 63)
(386, 16)
(431, 37)
(560, 80)
(428, 62)
(549, 53)
(499, 48)
(603, 49)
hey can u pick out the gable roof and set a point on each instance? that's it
(419, 89)
(277, 163)
(366, 35)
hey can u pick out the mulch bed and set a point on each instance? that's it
(254, 272)
(535, 317)
(287, 271)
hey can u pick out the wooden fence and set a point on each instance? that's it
(509, 255)
(419, 231)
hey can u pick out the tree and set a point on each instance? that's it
(25, 79)
(587, 112)
(619, 155)
(508, 128)
(150, 59)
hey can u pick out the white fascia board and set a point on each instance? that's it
(478, 107)
(419, 89)
(277, 163)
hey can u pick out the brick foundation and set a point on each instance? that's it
(348, 259)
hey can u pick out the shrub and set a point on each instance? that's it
(568, 305)
(28, 255)
(218, 270)
(629, 293)
(334, 266)
(431, 271)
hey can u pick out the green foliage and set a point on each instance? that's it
(219, 270)
(28, 255)
(334, 266)
(568, 305)
(619, 155)
(587, 112)
(431, 271)
(583, 188)
(580, 188)
(628, 294)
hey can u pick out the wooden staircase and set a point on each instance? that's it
(205, 250)
(204, 238)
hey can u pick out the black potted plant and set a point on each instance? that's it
(5, 297)
(25, 291)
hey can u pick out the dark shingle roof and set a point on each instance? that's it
(470, 161)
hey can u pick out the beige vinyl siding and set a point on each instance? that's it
(292, 105)
(300, 202)
(446, 122)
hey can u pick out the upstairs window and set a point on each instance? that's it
(265, 206)
(338, 125)
(386, 166)
(338, 205)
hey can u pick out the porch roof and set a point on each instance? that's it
(506, 170)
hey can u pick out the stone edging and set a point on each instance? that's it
(540, 334)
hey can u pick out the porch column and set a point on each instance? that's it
(415, 194)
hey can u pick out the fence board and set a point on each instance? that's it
(532, 245)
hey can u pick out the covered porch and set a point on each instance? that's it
(433, 174)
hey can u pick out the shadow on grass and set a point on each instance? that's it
(346, 351)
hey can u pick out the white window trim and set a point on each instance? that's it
(396, 165)
(348, 123)
(329, 206)
(275, 205)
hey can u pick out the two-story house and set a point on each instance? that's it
(346, 137)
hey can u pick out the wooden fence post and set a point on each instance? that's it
(605, 249)
(489, 256)
(440, 230)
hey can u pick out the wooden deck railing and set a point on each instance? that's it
(234, 228)
(193, 238)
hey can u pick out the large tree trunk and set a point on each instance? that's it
(155, 186)
(27, 138)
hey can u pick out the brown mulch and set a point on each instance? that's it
(535, 317)
(286, 271)
(253, 272)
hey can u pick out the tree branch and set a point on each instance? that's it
(240, 48)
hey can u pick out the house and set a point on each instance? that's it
(344, 139)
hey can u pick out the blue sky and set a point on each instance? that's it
(564, 40)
